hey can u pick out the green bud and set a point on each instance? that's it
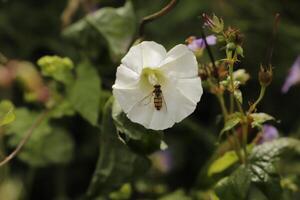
(218, 24)
(230, 46)
(239, 50)
(56, 67)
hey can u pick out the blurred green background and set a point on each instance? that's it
(30, 29)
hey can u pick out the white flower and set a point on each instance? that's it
(176, 72)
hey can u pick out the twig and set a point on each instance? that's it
(156, 15)
(28, 134)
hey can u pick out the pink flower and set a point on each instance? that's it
(293, 76)
(196, 45)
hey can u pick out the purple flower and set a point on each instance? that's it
(199, 44)
(293, 77)
(162, 161)
(269, 133)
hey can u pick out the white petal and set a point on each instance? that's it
(141, 113)
(125, 76)
(179, 106)
(148, 116)
(161, 120)
(134, 59)
(153, 54)
(145, 54)
(180, 62)
(127, 97)
(190, 88)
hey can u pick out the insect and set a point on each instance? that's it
(157, 96)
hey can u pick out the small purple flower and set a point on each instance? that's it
(293, 77)
(199, 44)
(269, 133)
(162, 160)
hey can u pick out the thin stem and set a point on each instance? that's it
(232, 88)
(260, 97)
(244, 117)
(222, 105)
(28, 134)
(210, 54)
(237, 146)
(156, 15)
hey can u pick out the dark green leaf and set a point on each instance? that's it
(117, 164)
(85, 93)
(54, 148)
(116, 25)
(234, 187)
(46, 145)
(260, 171)
(142, 139)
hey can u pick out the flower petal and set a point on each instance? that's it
(293, 76)
(145, 54)
(179, 106)
(128, 97)
(190, 88)
(148, 116)
(180, 62)
(211, 40)
(125, 76)
(141, 113)
(153, 54)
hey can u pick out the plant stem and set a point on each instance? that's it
(27, 134)
(244, 117)
(156, 15)
(260, 97)
(222, 105)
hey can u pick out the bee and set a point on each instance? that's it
(158, 98)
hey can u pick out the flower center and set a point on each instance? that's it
(152, 76)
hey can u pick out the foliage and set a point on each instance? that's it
(82, 145)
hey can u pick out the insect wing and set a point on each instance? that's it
(146, 100)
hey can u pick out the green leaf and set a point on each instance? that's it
(231, 122)
(177, 195)
(259, 119)
(117, 164)
(223, 163)
(60, 69)
(116, 25)
(7, 114)
(234, 187)
(260, 172)
(256, 194)
(47, 145)
(123, 193)
(142, 139)
(25, 120)
(85, 93)
(54, 148)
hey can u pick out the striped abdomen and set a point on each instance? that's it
(157, 97)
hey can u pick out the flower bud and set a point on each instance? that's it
(265, 76)
(214, 23)
(241, 75)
